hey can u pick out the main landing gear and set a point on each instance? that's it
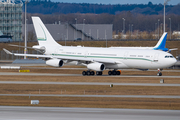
(114, 72)
(89, 73)
(159, 72)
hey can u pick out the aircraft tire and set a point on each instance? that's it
(88, 73)
(109, 72)
(159, 74)
(92, 73)
(84, 73)
(118, 73)
(113, 72)
(98, 73)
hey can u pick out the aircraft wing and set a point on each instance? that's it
(63, 57)
(28, 55)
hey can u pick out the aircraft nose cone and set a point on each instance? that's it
(173, 61)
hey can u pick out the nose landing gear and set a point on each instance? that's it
(159, 72)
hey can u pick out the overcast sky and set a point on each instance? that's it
(172, 2)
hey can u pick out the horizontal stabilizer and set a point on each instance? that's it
(173, 49)
(20, 46)
(8, 52)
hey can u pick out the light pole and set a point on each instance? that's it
(158, 28)
(131, 28)
(83, 29)
(123, 25)
(170, 27)
(106, 37)
(57, 35)
(76, 28)
(25, 49)
(67, 31)
(97, 34)
(155, 30)
(165, 3)
(90, 32)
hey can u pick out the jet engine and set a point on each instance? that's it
(96, 66)
(55, 62)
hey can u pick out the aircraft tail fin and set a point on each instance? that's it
(162, 43)
(43, 36)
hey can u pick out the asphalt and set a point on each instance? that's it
(53, 74)
(88, 83)
(64, 113)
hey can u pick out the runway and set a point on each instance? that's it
(53, 74)
(97, 96)
(88, 83)
(63, 113)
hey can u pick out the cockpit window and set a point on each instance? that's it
(168, 56)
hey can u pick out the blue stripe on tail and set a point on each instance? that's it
(162, 45)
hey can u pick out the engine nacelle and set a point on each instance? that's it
(55, 62)
(96, 66)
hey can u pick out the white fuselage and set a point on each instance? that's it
(124, 58)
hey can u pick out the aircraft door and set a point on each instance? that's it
(56, 50)
(85, 54)
(155, 59)
(125, 55)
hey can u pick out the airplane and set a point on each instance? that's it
(161, 44)
(96, 58)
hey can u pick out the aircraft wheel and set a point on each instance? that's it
(88, 73)
(113, 72)
(92, 73)
(109, 72)
(98, 73)
(159, 74)
(118, 73)
(84, 73)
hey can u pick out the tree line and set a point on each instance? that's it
(126, 19)
(48, 7)
(132, 22)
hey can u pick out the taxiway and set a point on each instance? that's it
(88, 83)
(63, 113)
(53, 74)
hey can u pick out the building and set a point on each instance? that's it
(77, 31)
(11, 19)
(177, 34)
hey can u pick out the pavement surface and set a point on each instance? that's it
(52, 74)
(88, 83)
(63, 113)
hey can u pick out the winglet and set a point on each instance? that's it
(8, 52)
